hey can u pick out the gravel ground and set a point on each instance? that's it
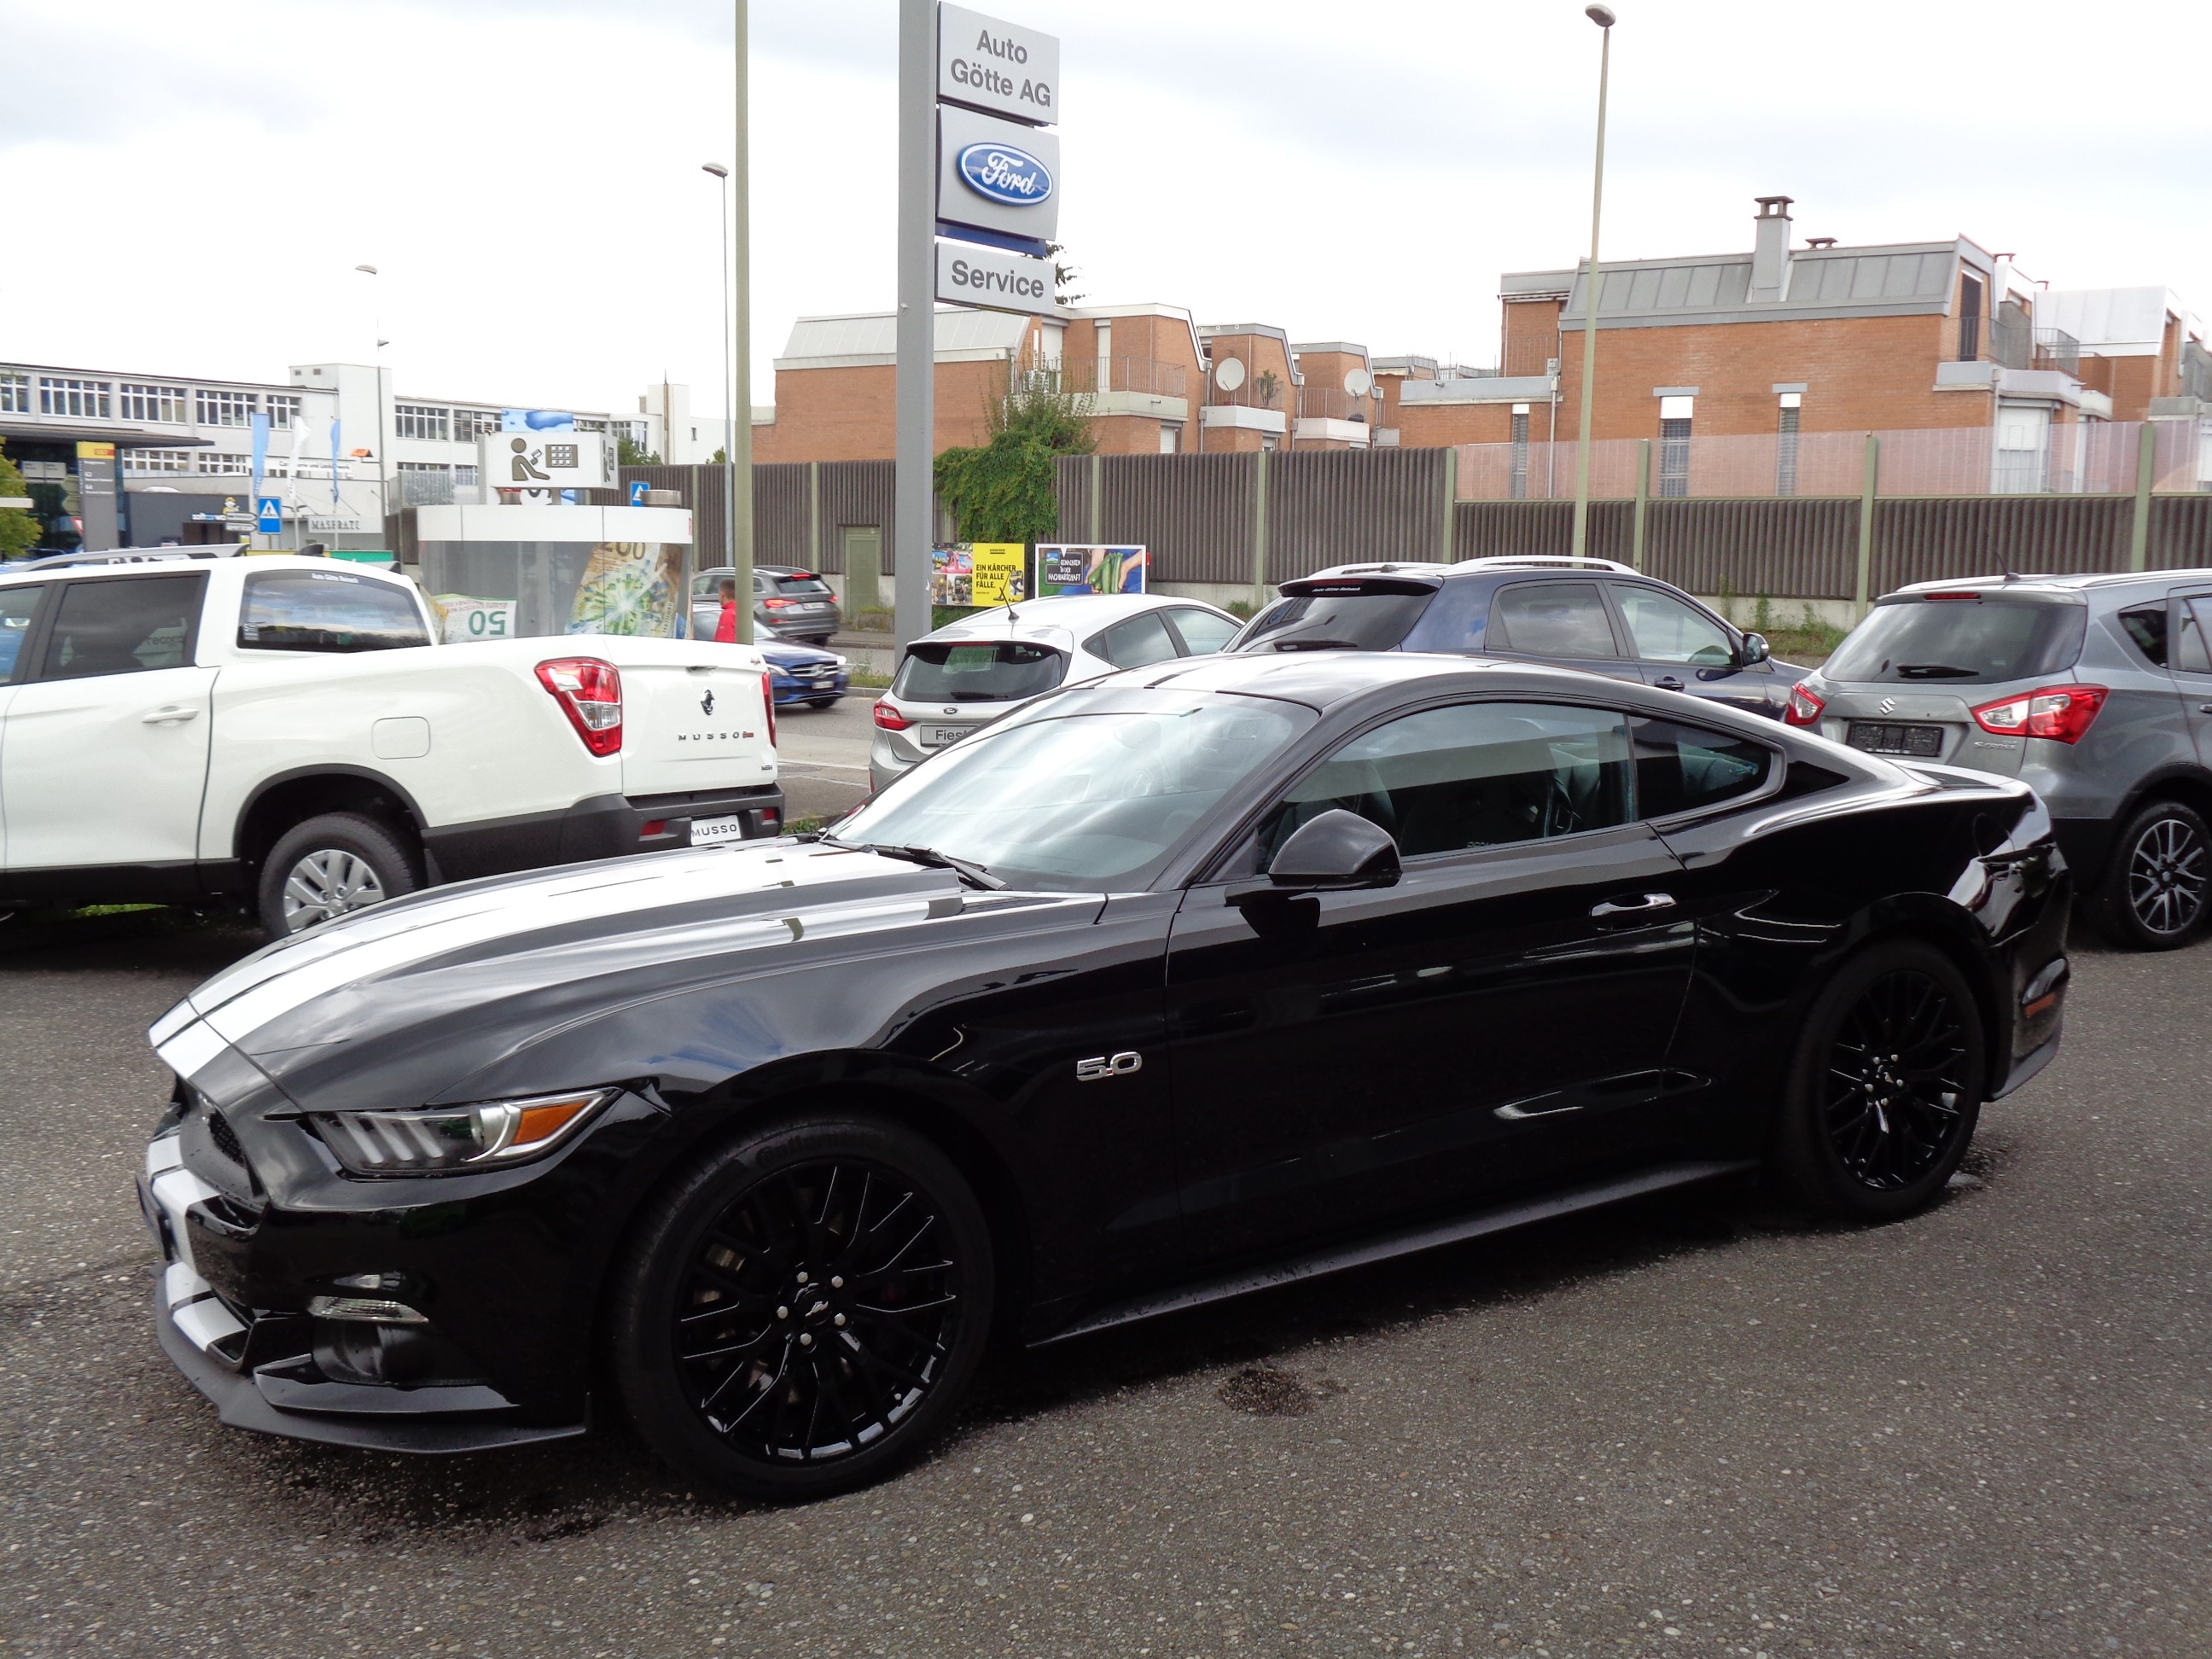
(1701, 1427)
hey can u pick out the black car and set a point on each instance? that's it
(1198, 978)
(1592, 614)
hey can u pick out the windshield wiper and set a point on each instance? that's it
(1936, 671)
(967, 869)
(1319, 645)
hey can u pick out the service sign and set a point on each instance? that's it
(997, 66)
(971, 275)
(543, 460)
(996, 175)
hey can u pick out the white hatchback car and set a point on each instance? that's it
(971, 672)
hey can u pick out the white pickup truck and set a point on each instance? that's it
(282, 730)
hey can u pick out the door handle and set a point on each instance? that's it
(2204, 707)
(1668, 683)
(1644, 904)
(165, 716)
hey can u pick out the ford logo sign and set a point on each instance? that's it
(1004, 173)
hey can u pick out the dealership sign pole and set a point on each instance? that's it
(977, 167)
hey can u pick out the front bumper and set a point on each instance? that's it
(260, 1370)
(790, 689)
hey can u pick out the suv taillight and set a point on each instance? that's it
(767, 703)
(889, 718)
(589, 692)
(2062, 712)
(1804, 708)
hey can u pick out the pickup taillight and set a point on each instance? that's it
(768, 704)
(589, 692)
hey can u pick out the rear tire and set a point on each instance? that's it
(1886, 1087)
(2152, 895)
(801, 1313)
(329, 866)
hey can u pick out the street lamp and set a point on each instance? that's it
(1603, 17)
(383, 474)
(744, 610)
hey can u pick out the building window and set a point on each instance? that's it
(470, 424)
(1170, 437)
(283, 410)
(84, 400)
(226, 408)
(164, 405)
(14, 393)
(422, 421)
(157, 460)
(208, 461)
(1970, 318)
(1674, 416)
(1785, 446)
(464, 477)
(1517, 486)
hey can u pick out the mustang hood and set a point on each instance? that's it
(431, 996)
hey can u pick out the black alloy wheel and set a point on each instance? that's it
(1886, 1085)
(800, 1314)
(2152, 897)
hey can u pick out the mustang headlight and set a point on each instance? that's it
(446, 1139)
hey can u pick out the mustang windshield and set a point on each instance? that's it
(1070, 799)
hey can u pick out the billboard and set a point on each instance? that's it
(1085, 568)
(979, 573)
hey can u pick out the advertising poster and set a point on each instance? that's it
(1071, 567)
(462, 618)
(630, 587)
(952, 574)
(976, 574)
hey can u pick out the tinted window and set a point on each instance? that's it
(2191, 655)
(123, 626)
(1006, 672)
(1478, 775)
(1664, 630)
(1142, 639)
(326, 611)
(19, 608)
(1551, 619)
(1204, 632)
(1680, 768)
(1322, 621)
(2146, 626)
(1081, 800)
(797, 587)
(1970, 642)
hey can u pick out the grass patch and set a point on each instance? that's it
(860, 679)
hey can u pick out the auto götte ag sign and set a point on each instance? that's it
(990, 64)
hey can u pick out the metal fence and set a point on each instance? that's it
(800, 508)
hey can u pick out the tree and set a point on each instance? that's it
(629, 453)
(1268, 387)
(1063, 276)
(1002, 491)
(18, 531)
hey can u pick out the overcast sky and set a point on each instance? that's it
(191, 186)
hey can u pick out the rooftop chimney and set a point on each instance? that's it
(1770, 254)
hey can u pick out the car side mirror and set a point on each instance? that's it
(1755, 650)
(1335, 852)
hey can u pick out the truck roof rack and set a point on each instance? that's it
(1544, 562)
(124, 555)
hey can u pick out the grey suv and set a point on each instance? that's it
(2095, 690)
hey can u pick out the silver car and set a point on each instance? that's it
(2095, 690)
(970, 672)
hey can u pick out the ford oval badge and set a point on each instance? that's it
(1004, 173)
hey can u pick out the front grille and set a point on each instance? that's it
(225, 1138)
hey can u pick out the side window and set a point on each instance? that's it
(18, 611)
(2191, 655)
(1142, 639)
(122, 625)
(326, 611)
(1664, 630)
(1553, 619)
(2146, 626)
(1476, 774)
(1204, 632)
(1680, 768)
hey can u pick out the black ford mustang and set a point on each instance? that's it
(1207, 976)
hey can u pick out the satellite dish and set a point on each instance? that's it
(1229, 373)
(1356, 382)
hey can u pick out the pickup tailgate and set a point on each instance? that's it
(693, 715)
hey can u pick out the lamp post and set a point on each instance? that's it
(730, 404)
(739, 242)
(1603, 17)
(383, 464)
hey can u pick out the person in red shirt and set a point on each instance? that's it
(725, 628)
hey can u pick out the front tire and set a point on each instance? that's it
(329, 866)
(801, 1313)
(822, 702)
(2153, 891)
(1885, 1086)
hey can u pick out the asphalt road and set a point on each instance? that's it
(821, 757)
(1703, 1428)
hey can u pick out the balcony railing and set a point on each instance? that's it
(2015, 342)
(1322, 402)
(1082, 376)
